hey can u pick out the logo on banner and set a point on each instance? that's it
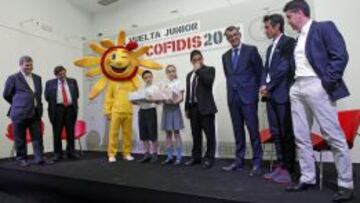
(181, 39)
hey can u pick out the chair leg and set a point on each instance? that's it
(321, 172)
(263, 147)
(272, 156)
(12, 152)
(81, 152)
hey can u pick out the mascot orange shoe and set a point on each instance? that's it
(120, 66)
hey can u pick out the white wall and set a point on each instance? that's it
(151, 15)
(48, 49)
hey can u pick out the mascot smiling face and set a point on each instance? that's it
(118, 63)
(121, 62)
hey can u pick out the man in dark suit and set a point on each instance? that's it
(23, 92)
(275, 85)
(200, 108)
(242, 67)
(320, 58)
(62, 94)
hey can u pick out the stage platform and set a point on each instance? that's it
(93, 179)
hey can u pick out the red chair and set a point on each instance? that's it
(80, 131)
(10, 135)
(266, 138)
(349, 122)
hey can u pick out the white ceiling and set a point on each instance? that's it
(92, 6)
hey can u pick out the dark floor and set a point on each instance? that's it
(93, 175)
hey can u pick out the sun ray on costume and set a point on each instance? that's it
(150, 64)
(93, 72)
(87, 61)
(141, 51)
(107, 43)
(97, 48)
(136, 82)
(121, 38)
(97, 88)
(140, 71)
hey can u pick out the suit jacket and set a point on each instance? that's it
(22, 99)
(326, 51)
(204, 90)
(51, 90)
(245, 80)
(279, 70)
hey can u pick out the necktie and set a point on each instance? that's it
(273, 47)
(193, 89)
(235, 58)
(268, 79)
(64, 95)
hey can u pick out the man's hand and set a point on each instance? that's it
(263, 91)
(108, 116)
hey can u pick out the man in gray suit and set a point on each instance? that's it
(23, 92)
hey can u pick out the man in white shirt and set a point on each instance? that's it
(62, 94)
(242, 66)
(23, 92)
(320, 59)
(275, 85)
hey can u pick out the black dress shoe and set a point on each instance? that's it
(23, 163)
(343, 194)
(300, 187)
(255, 171)
(43, 162)
(232, 167)
(193, 162)
(57, 158)
(145, 158)
(73, 156)
(208, 163)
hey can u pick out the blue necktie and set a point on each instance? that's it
(235, 58)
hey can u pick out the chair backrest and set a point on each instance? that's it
(10, 132)
(265, 136)
(80, 130)
(349, 122)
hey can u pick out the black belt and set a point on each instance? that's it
(149, 109)
(193, 104)
(62, 105)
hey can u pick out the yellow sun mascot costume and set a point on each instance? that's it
(119, 65)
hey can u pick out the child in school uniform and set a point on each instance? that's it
(148, 122)
(172, 119)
